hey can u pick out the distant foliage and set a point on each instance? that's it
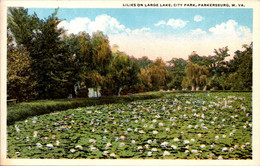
(53, 64)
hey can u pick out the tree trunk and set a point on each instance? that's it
(205, 88)
(197, 88)
(119, 90)
(192, 88)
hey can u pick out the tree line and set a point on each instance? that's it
(45, 63)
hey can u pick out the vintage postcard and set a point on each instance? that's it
(130, 82)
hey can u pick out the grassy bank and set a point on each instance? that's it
(23, 110)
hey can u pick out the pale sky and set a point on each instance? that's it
(165, 33)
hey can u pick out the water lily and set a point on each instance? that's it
(27, 139)
(199, 135)
(164, 144)
(121, 144)
(212, 145)
(202, 146)
(220, 158)
(224, 149)
(176, 139)
(35, 134)
(167, 129)
(72, 150)
(149, 153)
(146, 146)
(17, 129)
(231, 149)
(17, 153)
(122, 138)
(194, 151)
(129, 129)
(79, 147)
(57, 143)
(217, 137)
(174, 147)
(186, 141)
(113, 155)
(166, 153)
(187, 152)
(139, 148)
(108, 144)
(49, 146)
(247, 144)
(224, 136)
(39, 145)
(92, 148)
(155, 132)
(133, 141)
(92, 141)
(149, 141)
(154, 149)
(105, 153)
(141, 132)
(160, 124)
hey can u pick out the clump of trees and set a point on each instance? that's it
(44, 62)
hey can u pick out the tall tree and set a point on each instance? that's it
(196, 76)
(102, 54)
(241, 77)
(20, 85)
(42, 39)
(159, 74)
(80, 53)
(122, 72)
(176, 72)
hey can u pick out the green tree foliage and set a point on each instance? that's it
(155, 76)
(122, 72)
(176, 73)
(145, 78)
(219, 64)
(241, 71)
(42, 40)
(101, 52)
(159, 73)
(80, 54)
(20, 85)
(144, 62)
(196, 76)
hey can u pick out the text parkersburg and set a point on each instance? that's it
(181, 5)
